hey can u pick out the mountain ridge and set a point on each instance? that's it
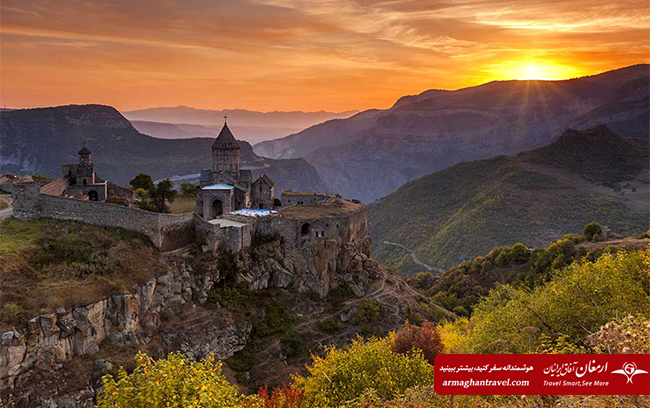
(40, 140)
(430, 131)
(465, 210)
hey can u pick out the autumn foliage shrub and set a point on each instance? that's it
(630, 335)
(172, 382)
(425, 338)
(342, 375)
(289, 396)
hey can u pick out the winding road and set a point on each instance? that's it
(415, 258)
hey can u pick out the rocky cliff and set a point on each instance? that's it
(167, 314)
(50, 340)
(318, 267)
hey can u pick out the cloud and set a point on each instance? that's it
(297, 54)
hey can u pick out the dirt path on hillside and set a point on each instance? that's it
(411, 252)
(7, 212)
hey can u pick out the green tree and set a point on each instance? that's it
(519, 253)
(143, 181)
(592, 229)
(140, 193)
(574, 303)
(502, 260)
(189, 189)
(162, 194)
(174, 382)
(424, 280)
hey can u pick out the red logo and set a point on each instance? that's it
(542, 374)
(629, 370)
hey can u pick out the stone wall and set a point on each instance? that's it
(215, 238)
(166, 231)
(94, 192)
(281, 256)
(116, 190)
(292, 198)
(346, 228)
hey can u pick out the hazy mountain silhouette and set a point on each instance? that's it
(375, 152)
(41, 140)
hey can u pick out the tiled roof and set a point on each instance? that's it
(266, 179)
(225, 140)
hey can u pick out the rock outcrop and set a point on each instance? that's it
(319, 266)
(50, 340)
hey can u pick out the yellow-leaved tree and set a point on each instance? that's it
(172, 382)
(344, 374)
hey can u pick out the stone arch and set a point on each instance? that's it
(93, 196)
(217, 208)
(305, 229)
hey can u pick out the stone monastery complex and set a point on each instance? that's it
(231, 208)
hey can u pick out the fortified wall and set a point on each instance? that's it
(298, 228)
(166, 231)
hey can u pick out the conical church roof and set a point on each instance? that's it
(84, 150)
(225, 140)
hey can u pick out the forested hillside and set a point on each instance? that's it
(535, 197)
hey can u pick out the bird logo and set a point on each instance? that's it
(629, 370)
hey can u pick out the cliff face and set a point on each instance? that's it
(318, 267)
(139, 320)
(50, 340)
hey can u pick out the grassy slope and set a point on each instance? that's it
(467, 209)
(183, 205)
(48, 264)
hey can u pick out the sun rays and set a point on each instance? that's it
(531, 70)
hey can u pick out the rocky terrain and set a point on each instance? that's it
(238, 307)
(41, 140)
(375, 152)
(535, 197)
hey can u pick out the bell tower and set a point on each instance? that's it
(225, 151)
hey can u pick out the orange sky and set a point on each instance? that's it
(300, 54)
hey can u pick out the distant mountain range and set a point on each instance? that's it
(41, 140)
(372, 153)
(535, 197)
(187, 131)
(248, 125)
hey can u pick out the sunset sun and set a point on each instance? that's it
(532, 70)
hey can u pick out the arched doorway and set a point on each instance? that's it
(92, 195)
(217, 208)
(305, 230)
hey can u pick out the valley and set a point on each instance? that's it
(534, 197)
(373, 153)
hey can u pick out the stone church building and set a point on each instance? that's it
(82, 180)
(226, 187)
